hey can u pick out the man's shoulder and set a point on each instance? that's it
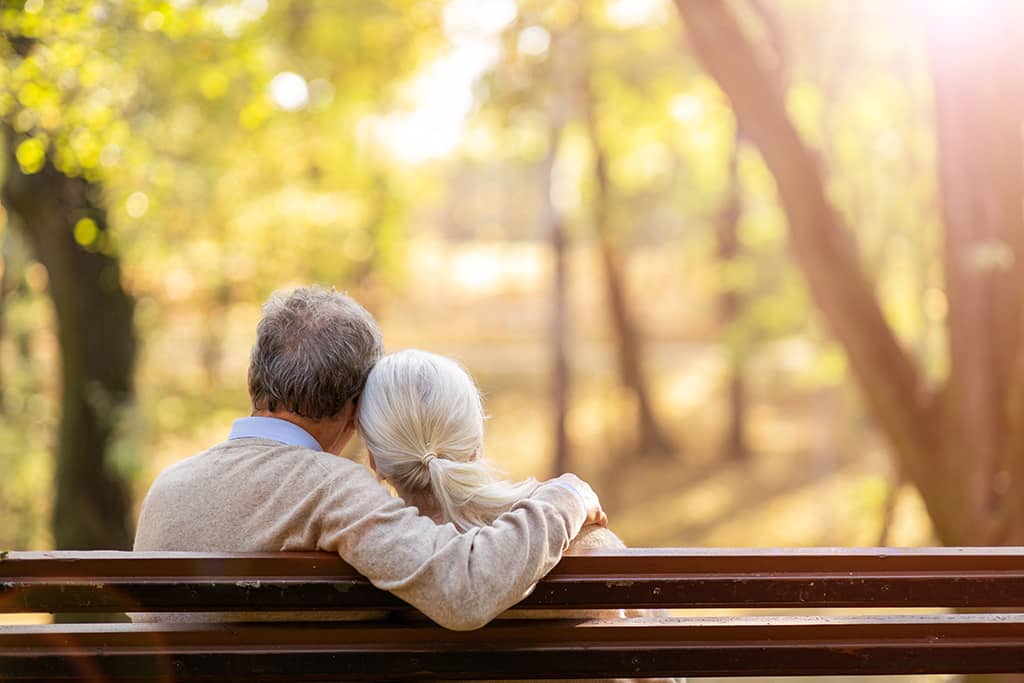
(185, 466)
(176, 469)
(246, 494)
(251, 455)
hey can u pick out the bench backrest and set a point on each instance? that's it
(862, 579)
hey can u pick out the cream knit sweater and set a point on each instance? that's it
(255, 494)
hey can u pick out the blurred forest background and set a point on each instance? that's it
(754, 268)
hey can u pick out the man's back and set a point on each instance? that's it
(257, 494)
(243, 495)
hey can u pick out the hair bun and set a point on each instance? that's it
(427, 457)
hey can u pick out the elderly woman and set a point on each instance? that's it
(423, 422)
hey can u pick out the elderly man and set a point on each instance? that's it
(277, 483)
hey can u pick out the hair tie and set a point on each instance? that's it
(427, 457)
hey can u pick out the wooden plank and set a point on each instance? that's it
(638, 578)
(941, 644)
(656, 560)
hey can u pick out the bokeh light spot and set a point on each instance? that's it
(289, 91)
(990, 255)
(36, 276)
(110, 155)
(137, 204)
(321, 92)
(86, 232)
(533, 41)
(687, 109)
(30, 154)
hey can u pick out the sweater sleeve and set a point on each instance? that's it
(459, 580)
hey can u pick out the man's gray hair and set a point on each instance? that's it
(314, 349)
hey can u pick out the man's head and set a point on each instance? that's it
(314, 348)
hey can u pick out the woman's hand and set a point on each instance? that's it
(595, 514)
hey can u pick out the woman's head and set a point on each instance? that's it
(422, 419)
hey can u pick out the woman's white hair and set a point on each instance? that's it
(422, 419)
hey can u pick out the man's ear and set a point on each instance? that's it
(350, 413)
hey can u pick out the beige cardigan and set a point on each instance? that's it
(255, 494)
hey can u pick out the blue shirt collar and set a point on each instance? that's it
(274, 429)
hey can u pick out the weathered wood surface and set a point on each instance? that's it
(338, 651)
(638, 578)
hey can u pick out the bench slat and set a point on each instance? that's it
(655, 560)
(809, 591)
(638, 578)
(695, 647)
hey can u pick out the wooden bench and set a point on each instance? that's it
(989, 580)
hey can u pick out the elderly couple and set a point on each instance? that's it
(460, 544)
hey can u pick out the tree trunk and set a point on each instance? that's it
(97, 346)
(652, 441)
(554, 225)
(727, 250)
(975, 58)
(211, 341)
(826, 253)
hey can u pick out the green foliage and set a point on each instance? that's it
(168, 105)
(216, 191)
